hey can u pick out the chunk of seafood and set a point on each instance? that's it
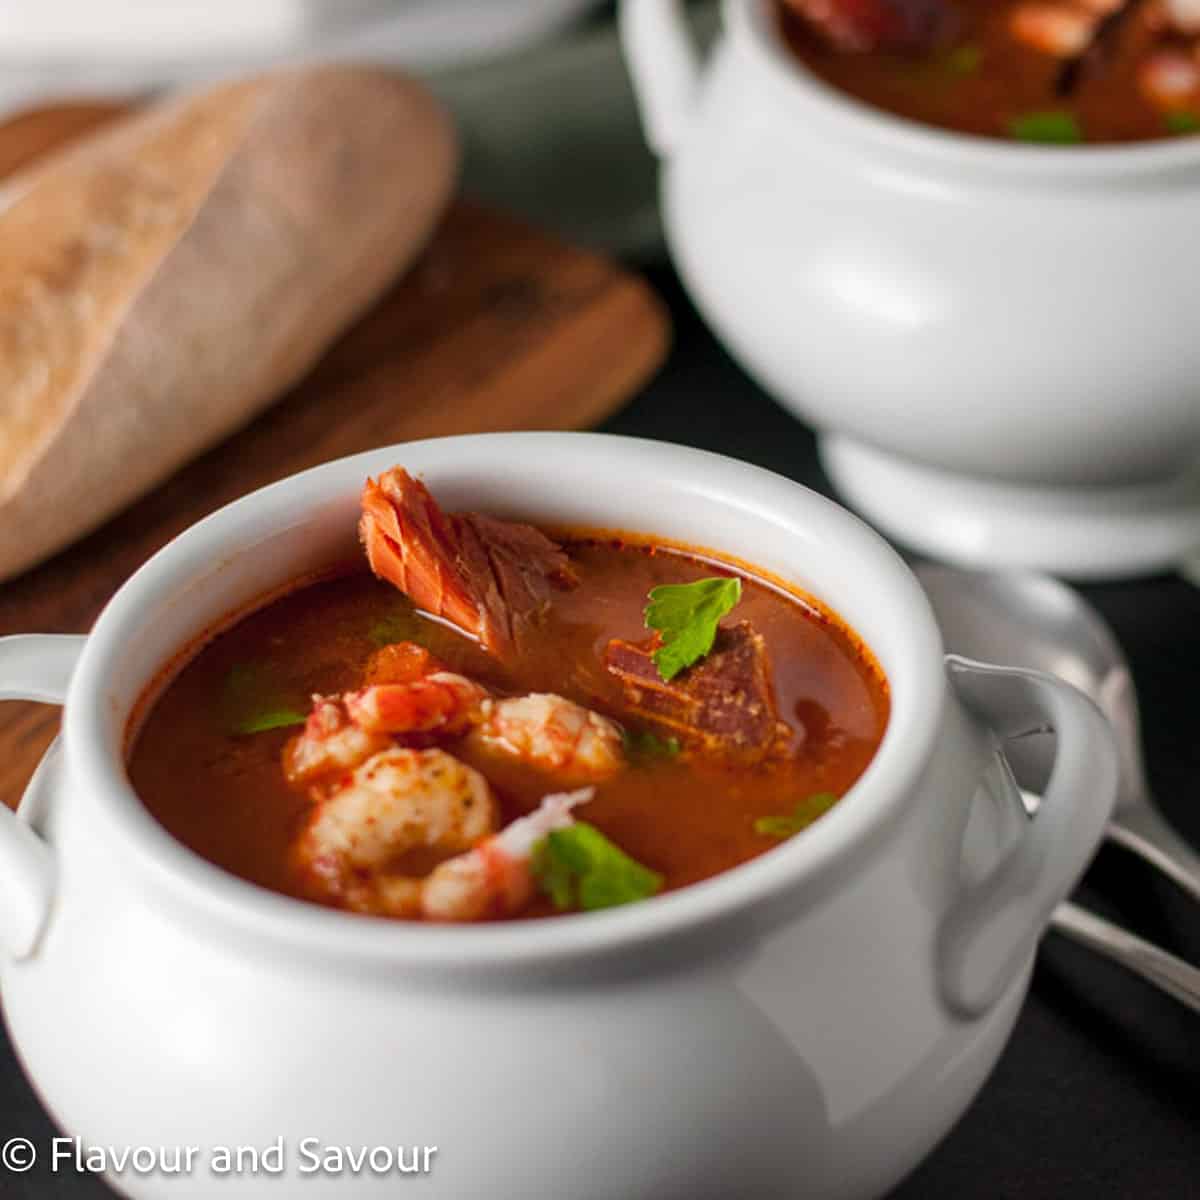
(1170, 79)
(400, 662)
(1064, 30)
(725, 703)
(1183, 15)
(863, 25)
(552, 733)
(487, 577)
(520, 562)
(410, 543)
(331, 741)
(494, 879)
(443, 702)
(398, 801)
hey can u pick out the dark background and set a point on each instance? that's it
(1098, 1094)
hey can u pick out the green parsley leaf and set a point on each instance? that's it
(280, 718)
(686, 614)
(552, 874)
(962, 60)
(1049, 128)
(578, 867)
(642, 746)
(253, 702)
(804, 814)
(1182, 120)
(398, 624)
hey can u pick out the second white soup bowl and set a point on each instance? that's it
(994, 340)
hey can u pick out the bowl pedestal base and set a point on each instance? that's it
(1085, 533)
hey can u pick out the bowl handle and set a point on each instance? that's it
(664, 67)
(993, 925)
(31, 668)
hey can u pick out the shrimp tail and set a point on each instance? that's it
(555, 812)
(495, 878)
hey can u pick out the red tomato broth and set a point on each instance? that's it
(688, 818)
(986, 79)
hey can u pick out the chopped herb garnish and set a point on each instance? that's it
(400, 624)
(686, 615)
(963, 60)
(280, 718)
(578, 867)
(643, 746)
(1182, 120)
(804, 814)
(1048, 128)
(252, 701)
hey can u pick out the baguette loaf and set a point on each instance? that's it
(166, 279)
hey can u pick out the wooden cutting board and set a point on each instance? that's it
(498, 326)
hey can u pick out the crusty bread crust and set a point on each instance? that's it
(165, 280)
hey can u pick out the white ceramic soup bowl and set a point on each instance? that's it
(994, 340)
(810, 1023)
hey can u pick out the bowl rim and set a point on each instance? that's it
(803, 867)
(753, 25)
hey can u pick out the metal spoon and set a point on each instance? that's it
(1030, 620)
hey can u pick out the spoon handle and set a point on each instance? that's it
(1174, 976)
(1147, 835)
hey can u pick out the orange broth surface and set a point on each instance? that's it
(688, 817)
(987, 82)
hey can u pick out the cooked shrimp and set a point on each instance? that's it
(1064, 30)
(1184, 15)
(401, 662)
(494, 879)
(419, 696)
(331, 742)
(552, 733)
(396, 802)
(442, 701)
(1169, 79)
